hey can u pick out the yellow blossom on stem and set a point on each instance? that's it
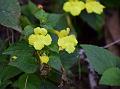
(74, 7)
(66, 41)
(40, 38)
(94, 6)
(44, 59)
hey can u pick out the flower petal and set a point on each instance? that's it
(44, 59)
(38, 45)
(47, 40)
(70, 49)
(32, 39)
(64, 33)
(41, 31)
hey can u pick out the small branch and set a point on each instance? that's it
(111, 44)
(63, 78)
(26, 82)
(91, 73)
(92, 80)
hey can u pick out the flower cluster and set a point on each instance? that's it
(66, 41)
(41, 38)
(75, 7)
(38, 40)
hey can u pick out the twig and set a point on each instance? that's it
(63, 78)
(111, 44)
(91, 74)
(26, 82)
(92, 80)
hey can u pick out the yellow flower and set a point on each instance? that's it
(68, 43)
(63, 33)
(74, 7)
(44, 59)
(94, 6)
(40, 38)
(40, 31)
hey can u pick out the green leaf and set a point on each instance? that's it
(3, 62)
(24, 61)
(58, 22)
(111, 77)
(10, 13)
(54, 61)
(32, 81)
(28, 10)
(4, 84)
(62, 22)
(28, 30)
(53, 19)
(24, 21)
(93, 20)
(18, 47)
(68, 59)
(100, 58)
(45, 84)
(29, 82)
(2, 45)
(32, 7)
(42, 16)
(54, 47)
(54, 76)
(50, 20)
(8, 72)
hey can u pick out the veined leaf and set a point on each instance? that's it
(24, 59)
(100, 58)
(10, 13)
(111, 77)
